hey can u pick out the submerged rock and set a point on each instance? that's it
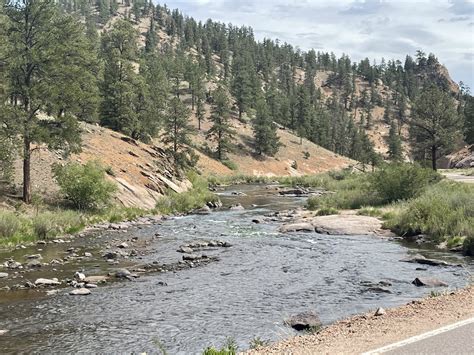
(420, 259)
(47, 282)
(297, 227)
(422, 281)
(80, 292)
(237, 207)
(304, 321)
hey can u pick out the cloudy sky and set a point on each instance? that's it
(361, 28)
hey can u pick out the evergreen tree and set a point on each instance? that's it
(221, 131)
(303, 113)
(151, 38)
(119, 89)
(435, 125)
(395, 152)
(45, 52)
(177, 133)
(265, 131)
(469, 119)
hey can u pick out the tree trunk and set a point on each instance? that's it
(433, 157)
(27, 170)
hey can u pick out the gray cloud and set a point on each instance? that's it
(364, 7)
(461, 7)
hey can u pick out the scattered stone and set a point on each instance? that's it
(87, 254)
(80, 292)
(90, 285)
(122, 245)
(124, 274)
(161, 283)
(192, 257)
(52, 292)
(379, 312)
(256, 221)
(421, 281)
(34, 263)
(385, 283)
(47, 282)
(204, 210)
(41, 242)
(237, 207)
(79, 276)
(185, 249)
(110, 255)
(95, 279)
(378, 289)
(304, 321)
(29, 284)
(3, 275)
(12, 264)
(3, 331)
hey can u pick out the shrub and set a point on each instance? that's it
(443, 210)
(395, 182)
(9, 224)
(369, 211)
(84, 186)
(327, 211)
(229, 348)
(257, 342)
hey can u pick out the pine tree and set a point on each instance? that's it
(302, 113)
(221, 131)
(177, 133)
(151, 38)
(119, 89)
(265, 131)
(435, 125)
(395, 152)
(46, 51)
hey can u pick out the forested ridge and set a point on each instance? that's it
(143, 69)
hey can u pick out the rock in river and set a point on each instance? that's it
(80, 292)
(47, 282)
(421, 281)
(297, 227)
(3, 275)
(185, 249)
(304, 321)
(95, 279)
(237, 207)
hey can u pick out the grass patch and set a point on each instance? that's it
(370, 211)
(9, 224)
(327, 211)
(230, 164)
(229, 348)
(443, 210)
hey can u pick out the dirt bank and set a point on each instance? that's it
(367, 332)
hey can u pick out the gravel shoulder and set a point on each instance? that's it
(368, 332)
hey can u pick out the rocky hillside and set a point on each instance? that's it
(142, 172)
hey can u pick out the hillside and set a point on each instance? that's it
(142, 172)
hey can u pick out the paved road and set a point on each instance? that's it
(453, 342)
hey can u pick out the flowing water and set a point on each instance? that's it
(258, 282)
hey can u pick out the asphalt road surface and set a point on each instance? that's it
(457, 339)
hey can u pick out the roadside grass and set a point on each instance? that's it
(442, 211)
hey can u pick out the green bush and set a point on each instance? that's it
(369, 211)
(402, 181)
(230, 164)
(9, 224)
(443, 210)
(84, 186)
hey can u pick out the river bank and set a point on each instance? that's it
(368, 331)
(251, 277)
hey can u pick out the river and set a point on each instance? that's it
(260, 280)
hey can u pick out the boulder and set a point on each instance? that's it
(3, 331)
(297, 227)
(304, 321)
(422, 281)
(237, 207)
(80, 292)
(204, 210)
(420, 259)
(124, 274)
(3, 275)
(34, 263)
(47, 282)
(79, 276)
